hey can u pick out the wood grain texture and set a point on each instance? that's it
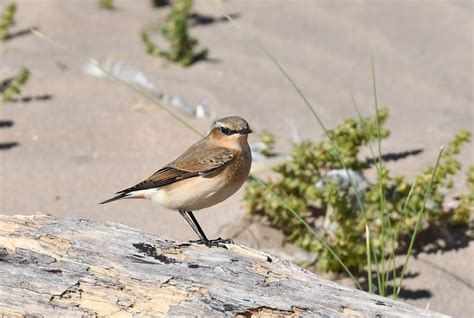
(72, 267)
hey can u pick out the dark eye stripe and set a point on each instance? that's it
(226, 131)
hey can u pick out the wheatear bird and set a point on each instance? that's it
(207, 173)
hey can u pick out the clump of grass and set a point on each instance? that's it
(106, 4)
(175, 32)
(12, 87)
(312, 183)
(7, 19)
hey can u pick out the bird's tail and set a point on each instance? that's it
(117, 197)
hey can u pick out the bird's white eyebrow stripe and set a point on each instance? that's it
(221, 125)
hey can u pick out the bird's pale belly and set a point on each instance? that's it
(196, 193)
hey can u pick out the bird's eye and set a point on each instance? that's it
(226, 131)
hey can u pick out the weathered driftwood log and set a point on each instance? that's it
(73, 267)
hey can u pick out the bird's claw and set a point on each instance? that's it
(219, 242)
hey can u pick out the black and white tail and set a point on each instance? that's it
(119, 196)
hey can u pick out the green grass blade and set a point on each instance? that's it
(397, 231)
(376, 104)
(378, 272)
(383, 207)
(300, 93)
(140, 92)
(276, 63)
(369, 262)
(418, 220)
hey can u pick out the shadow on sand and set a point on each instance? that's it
(429, 241)
(19, 33)
(7, 145)
(33, 98)
(205, 20)
(405, 293)
(394, 156)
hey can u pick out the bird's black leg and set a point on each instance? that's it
(201, 234)
(209, 243)
(195, 226)
(191, 219)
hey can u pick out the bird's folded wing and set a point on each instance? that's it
(190, 164)
(203, 161)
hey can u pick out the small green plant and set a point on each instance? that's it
(268, 140)
(7, 19)
(12, 87)
(106, 4)
(313, 184)
(175, 31)
(466, 207)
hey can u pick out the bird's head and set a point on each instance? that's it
(230, 130)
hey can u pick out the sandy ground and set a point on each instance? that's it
(95, 137)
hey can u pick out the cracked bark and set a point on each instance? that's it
(72, 267)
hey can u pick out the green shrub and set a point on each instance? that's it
(12, 87)
(313, 184)
(463, 211)
(7, 20)
(175, 31)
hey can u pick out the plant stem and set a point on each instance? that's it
(379, 280)
(367, 246)
(397, 230)
(383, 207)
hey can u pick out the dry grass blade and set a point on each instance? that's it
(81, 56)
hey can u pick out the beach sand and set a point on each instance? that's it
(95, 136)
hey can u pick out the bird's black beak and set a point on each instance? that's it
(245, 131)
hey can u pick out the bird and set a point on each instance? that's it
(206, 174)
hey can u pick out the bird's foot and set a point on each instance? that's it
(224, 241)
(219, 242)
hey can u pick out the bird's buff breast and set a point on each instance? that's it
(205, 191)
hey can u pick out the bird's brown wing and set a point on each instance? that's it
(192, 163)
